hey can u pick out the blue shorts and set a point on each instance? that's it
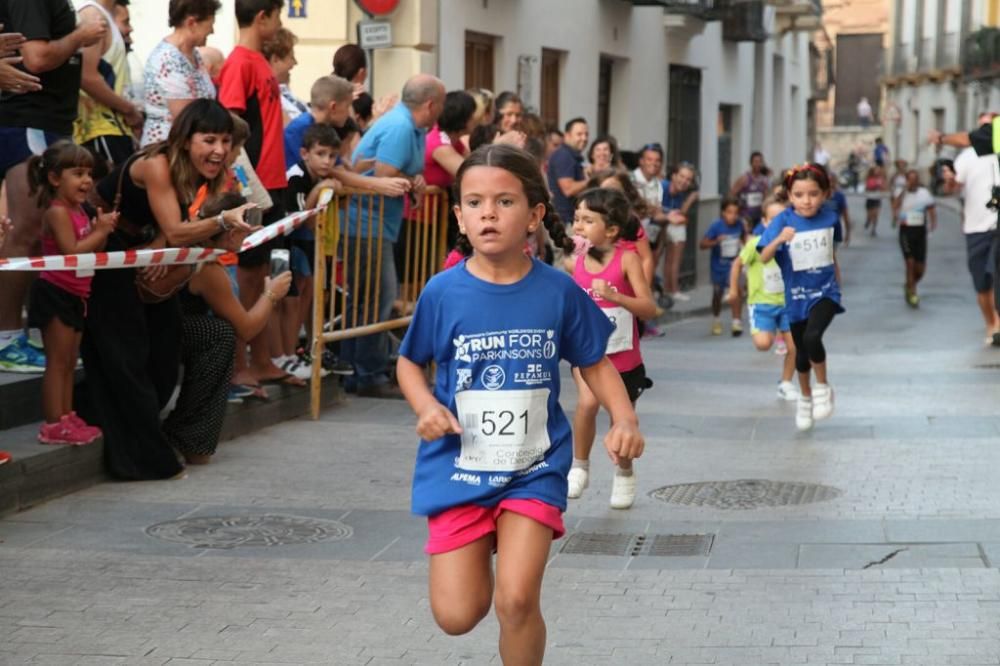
(301, 261)
(768, 318)
(17, 144)
(720, 275)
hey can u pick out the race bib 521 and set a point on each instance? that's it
(503, 431)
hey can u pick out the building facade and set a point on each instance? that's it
(710, 80)
(944, 70)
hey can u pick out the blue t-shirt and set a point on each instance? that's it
(394, 140)
(813, 246)
(564, 163)
(720, 263)
(837, 202)
(294, 132)
(501, 364)
(673, 201)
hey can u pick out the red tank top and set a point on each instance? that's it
(623, 346)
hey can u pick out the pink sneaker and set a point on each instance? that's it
(81, 425)
(63, 432)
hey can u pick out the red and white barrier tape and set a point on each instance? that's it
(161, 257)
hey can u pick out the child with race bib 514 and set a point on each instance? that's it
(803, 241)
(496, 446)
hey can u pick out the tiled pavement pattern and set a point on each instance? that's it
(912, 450)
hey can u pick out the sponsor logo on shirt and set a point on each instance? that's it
(493, 378)
(533, 376)
(463, 379)
(466, 477)
(522, 344)
(498, 481)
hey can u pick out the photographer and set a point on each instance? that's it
(977, 170)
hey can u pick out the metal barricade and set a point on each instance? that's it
(346, 272)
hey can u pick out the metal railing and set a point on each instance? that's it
(346, 268)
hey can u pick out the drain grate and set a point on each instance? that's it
(255, 530)
(681, 545)
(638, 545)
(987, 366)
(745, 494)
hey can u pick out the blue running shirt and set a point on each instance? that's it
(807, 263)
(497, 350)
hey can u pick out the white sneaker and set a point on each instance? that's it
(804, 413)
(296, 367)
(623, 491)
(680, 296)
(737, 328)
(788, 391)
(822, 402)
(578, 479)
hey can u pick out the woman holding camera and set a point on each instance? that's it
(132, 340)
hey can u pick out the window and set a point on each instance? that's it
(478, 60)
(604, 76)
(551, 61)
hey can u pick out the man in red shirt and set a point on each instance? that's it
(248, 87)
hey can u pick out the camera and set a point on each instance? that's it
(994, 202)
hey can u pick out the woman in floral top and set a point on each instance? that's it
(174, 76)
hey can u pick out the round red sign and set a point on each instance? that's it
(378, 7)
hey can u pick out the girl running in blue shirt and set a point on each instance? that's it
(496, 446)
(803, 241)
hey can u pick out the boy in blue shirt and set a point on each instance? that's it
(725, 238)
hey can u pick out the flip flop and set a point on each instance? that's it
(286, 379)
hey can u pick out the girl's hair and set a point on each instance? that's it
(772, 200)
(614, 208)
(612, 144)
(484, 103)
(482, 135)
(522, 166)
(202, 116)
(727, 202)
(808, 171)
(363, 106)
(533, 126)
(639, 205)
(348, 61)
(60, 156)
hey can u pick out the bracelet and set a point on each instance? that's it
(221, 221)
(270, 296)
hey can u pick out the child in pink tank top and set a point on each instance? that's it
(61, 179)
(612, 275)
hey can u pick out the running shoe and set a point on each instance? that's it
(233, 395)
(913, 299)
(82, 425)
(716, 327)
(5, 457)
(241, 390)
(680, 296)
(62, 432)
(780, 348)
(21, 356)
(578, 480)
(737, 328)
(293, 366)
(788, 391)
(653, 331)
(822, 396)
(622, 491)
(804, 413)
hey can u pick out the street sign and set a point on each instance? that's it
(297, 9)
(378, 7)
(374, 34)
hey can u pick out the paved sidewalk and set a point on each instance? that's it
(890, 560)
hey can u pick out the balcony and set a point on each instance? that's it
(704, 9)
(743, 21)
(981, 57)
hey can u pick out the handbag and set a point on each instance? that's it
(163, 288)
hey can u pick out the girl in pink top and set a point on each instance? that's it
(613, 277)
(61, 179)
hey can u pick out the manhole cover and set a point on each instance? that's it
(253, 530)
(680, 545)
(636, 545)
(745, 493)
(592, 543)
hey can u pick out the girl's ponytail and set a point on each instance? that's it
(556, 229)
(36, 176)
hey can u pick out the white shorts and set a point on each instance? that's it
(677, 233)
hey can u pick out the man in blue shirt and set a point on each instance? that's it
(565, 172)
(396, 144)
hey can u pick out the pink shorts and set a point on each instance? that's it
(461, 525)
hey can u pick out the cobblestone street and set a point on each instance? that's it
(895, 562)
